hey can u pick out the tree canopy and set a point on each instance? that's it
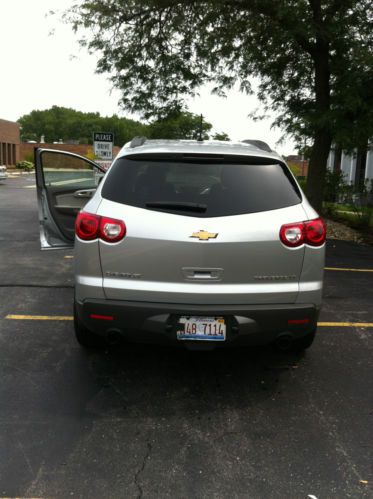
(68, 124)
(314, 59)
(185, 125)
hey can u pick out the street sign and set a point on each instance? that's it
(105, 165)
(103, 145)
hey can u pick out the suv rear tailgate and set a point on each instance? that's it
(159, 260)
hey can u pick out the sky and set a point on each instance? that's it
(40, 69)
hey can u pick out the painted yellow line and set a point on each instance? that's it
(39, 317)
(345, 324)
(70, 318)
(348, 270)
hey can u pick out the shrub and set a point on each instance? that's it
(25, 165)
(335, 186)
(359, 218)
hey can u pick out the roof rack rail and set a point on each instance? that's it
(259, 144)
(137, 141)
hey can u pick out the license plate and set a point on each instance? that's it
(201, 329)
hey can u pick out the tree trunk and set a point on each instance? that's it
(323, 135)
(317, 169)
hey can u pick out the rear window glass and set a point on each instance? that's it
(203, 189)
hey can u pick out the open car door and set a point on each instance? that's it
(65, 182)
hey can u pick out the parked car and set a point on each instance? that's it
(3, 173)
(201, 244)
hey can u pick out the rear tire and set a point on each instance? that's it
(84, 336)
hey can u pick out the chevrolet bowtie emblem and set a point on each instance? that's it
(203, 235)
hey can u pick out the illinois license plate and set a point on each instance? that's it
(201, 328)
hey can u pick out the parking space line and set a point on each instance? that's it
(348, 270)
(345, 324)
(39, 317)
(325, 268)
(70, 318)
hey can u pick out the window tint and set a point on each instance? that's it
(204, 189)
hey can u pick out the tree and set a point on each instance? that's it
(68, 124)
(314, 58)
(221, 136)
(179, 125)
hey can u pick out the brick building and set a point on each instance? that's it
(9, 142)
(300, 162)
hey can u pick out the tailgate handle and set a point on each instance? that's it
(202, 274)
(191, 274)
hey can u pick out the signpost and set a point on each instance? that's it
(103, 145)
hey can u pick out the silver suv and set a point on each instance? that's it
(200, 244)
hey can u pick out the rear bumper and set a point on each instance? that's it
(157, 322)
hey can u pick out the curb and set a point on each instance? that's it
(18, 173)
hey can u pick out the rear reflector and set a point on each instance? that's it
(298, 321)
(102, 317)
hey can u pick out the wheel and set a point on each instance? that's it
(84, 336)
(303, 343)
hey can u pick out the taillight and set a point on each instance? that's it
(312, 232)
(315, 232)
(112, 230)
(89, 227)
(292, 234)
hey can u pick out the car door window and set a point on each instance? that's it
(61, 170)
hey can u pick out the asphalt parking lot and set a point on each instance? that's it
(138, 421)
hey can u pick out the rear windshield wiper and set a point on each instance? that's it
(177, 206)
